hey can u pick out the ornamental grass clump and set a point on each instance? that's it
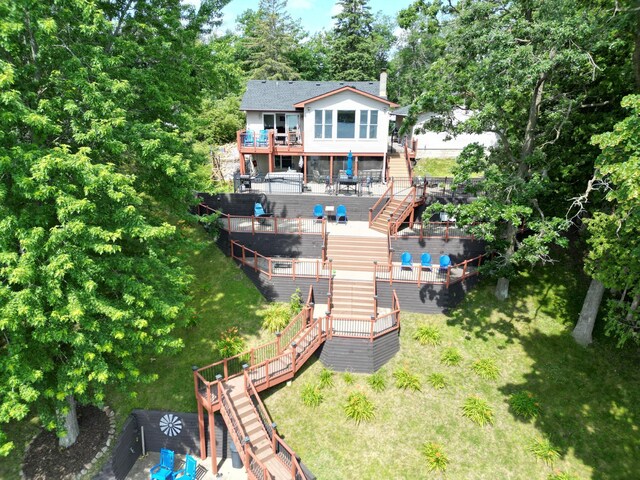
(326, 378)
(486, 368)
(348, 378)
(450, 357)
(562, 476)
(525, 404)
(311, 395)
(427, 335)
(276, 317)
(477, 410)
(359, 408)
(406, 380)
(544, 450)
(436, 458)
(377, 381)
(437, 381)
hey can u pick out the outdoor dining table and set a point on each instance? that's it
(348, 183)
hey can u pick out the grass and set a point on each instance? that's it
(428, 335)
(486, 368)
(406, 380)
(450, 357)
(544, 450)
(435, 167)
(589, 395)
(436, 458)
(377, 381)
(359, 408)
(477, 410)
(438, 381)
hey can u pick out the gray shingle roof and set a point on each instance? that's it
(280, 96)
(403, 111)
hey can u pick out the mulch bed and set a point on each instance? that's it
(46, 460)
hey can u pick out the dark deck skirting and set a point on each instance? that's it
(359, 355)
(271, 245)
(281, 288)
(291, 206)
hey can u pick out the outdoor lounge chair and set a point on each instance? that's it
(164, 470)
(260, 214)
(318, 212)
(425, 261)
(445, 262)
(249, 139)
(263, 139)
(341, 214)
(407, 261)
(189, 470)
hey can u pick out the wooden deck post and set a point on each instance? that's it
(304, 169)
(212, 435)
(278, 335)
(330, 168)
(203, 440)
(293, 356)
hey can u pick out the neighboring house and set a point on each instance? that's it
(312, 126)
(442, 145)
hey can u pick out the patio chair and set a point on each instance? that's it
(263, 139)
(189, 470)
(407, 261)
(445, 262)
(425, 261)
(249, 139)
(164, 470)
(341, 214)
(318, 212)
(260, 214)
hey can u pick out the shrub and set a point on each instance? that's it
(544, 450)
(486, 368)
(427, 335)
(348, 378)
(377, 381)
(230, 343)
(295, 303)
(525, 404)
(450, 357)
(311, 395)
(436, 458)
(276, 317)
(359, 408)
(562, 476)
(477, 410)
(437, 381)
(326, 378)
(407, 380)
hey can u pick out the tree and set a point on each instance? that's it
(359, 45)
(613, 260)
(94, 98)
(270, 38)
(521, 68)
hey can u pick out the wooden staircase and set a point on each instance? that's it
(356, 253)
(398, 166)
(395, 205)
(353, 299)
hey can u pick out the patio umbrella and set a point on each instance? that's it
(350, 164)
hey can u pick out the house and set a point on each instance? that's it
(432, 144)
(311, 127)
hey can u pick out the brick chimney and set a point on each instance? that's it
(383, 84)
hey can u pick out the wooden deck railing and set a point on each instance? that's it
(433, 275)
(402, 211)
(365, 328)
(444, 230)
(281, 267)
(378, 207)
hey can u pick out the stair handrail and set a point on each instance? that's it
(389, 192)
(393, 227)
(406, 158)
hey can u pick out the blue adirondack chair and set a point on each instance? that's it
(341, 214)
(318, 212)
(407, 261)
(189, 470)
(260, 214)
(263, 138)
(445, 262)
(249, 138)
(164, 470)
(425, 261)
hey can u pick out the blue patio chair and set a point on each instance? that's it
(164, 470)
(407, 261)
(425, 261)
(318, 212)
(249, 139)
(189, 470)
(260, 214)
(263, 138)
(445, 262)
(341, 214)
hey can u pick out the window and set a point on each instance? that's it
(323, 123)
(346, 124)
(368, 123)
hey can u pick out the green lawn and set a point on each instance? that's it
(588, 397)
(435, 167)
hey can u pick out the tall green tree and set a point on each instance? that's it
(94, 99)
(271, 38)
(522, 68)
(360, 45)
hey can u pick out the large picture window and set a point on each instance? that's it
(346, 124)
(323, 123)
(368, 123)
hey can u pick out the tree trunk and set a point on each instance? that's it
(584, 328)
(70, 424)
(632, 310)
(502, 289)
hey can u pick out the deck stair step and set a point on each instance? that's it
(395, 205)
(353, 299)
(356, 253)
(398, 166)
